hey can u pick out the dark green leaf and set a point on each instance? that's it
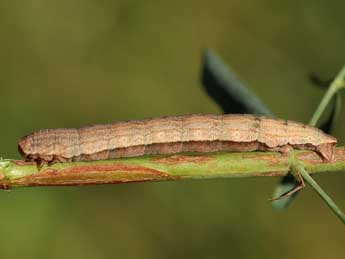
(317, 81)
(226, 90)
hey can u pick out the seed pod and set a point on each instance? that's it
(171, 135)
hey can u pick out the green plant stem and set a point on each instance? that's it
(337, 84)
(163, 168)
(321, 192)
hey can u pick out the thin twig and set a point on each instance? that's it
(162, 168)
(337, 84)
(331, 204)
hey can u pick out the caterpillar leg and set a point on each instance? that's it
(284, 150)
(294, 190)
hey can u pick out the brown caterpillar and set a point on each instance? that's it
(171, 135)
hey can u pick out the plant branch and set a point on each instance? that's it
(337, 84)
(14, 173)
(331, 204)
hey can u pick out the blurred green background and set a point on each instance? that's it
(72, 63)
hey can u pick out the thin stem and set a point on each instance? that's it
(337, 84)
(337, 211)
(164, 168)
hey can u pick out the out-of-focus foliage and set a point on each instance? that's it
(72, 63)
(226, 90)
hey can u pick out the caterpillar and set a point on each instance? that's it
(175, 134)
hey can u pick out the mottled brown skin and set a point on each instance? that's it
(171, 135)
